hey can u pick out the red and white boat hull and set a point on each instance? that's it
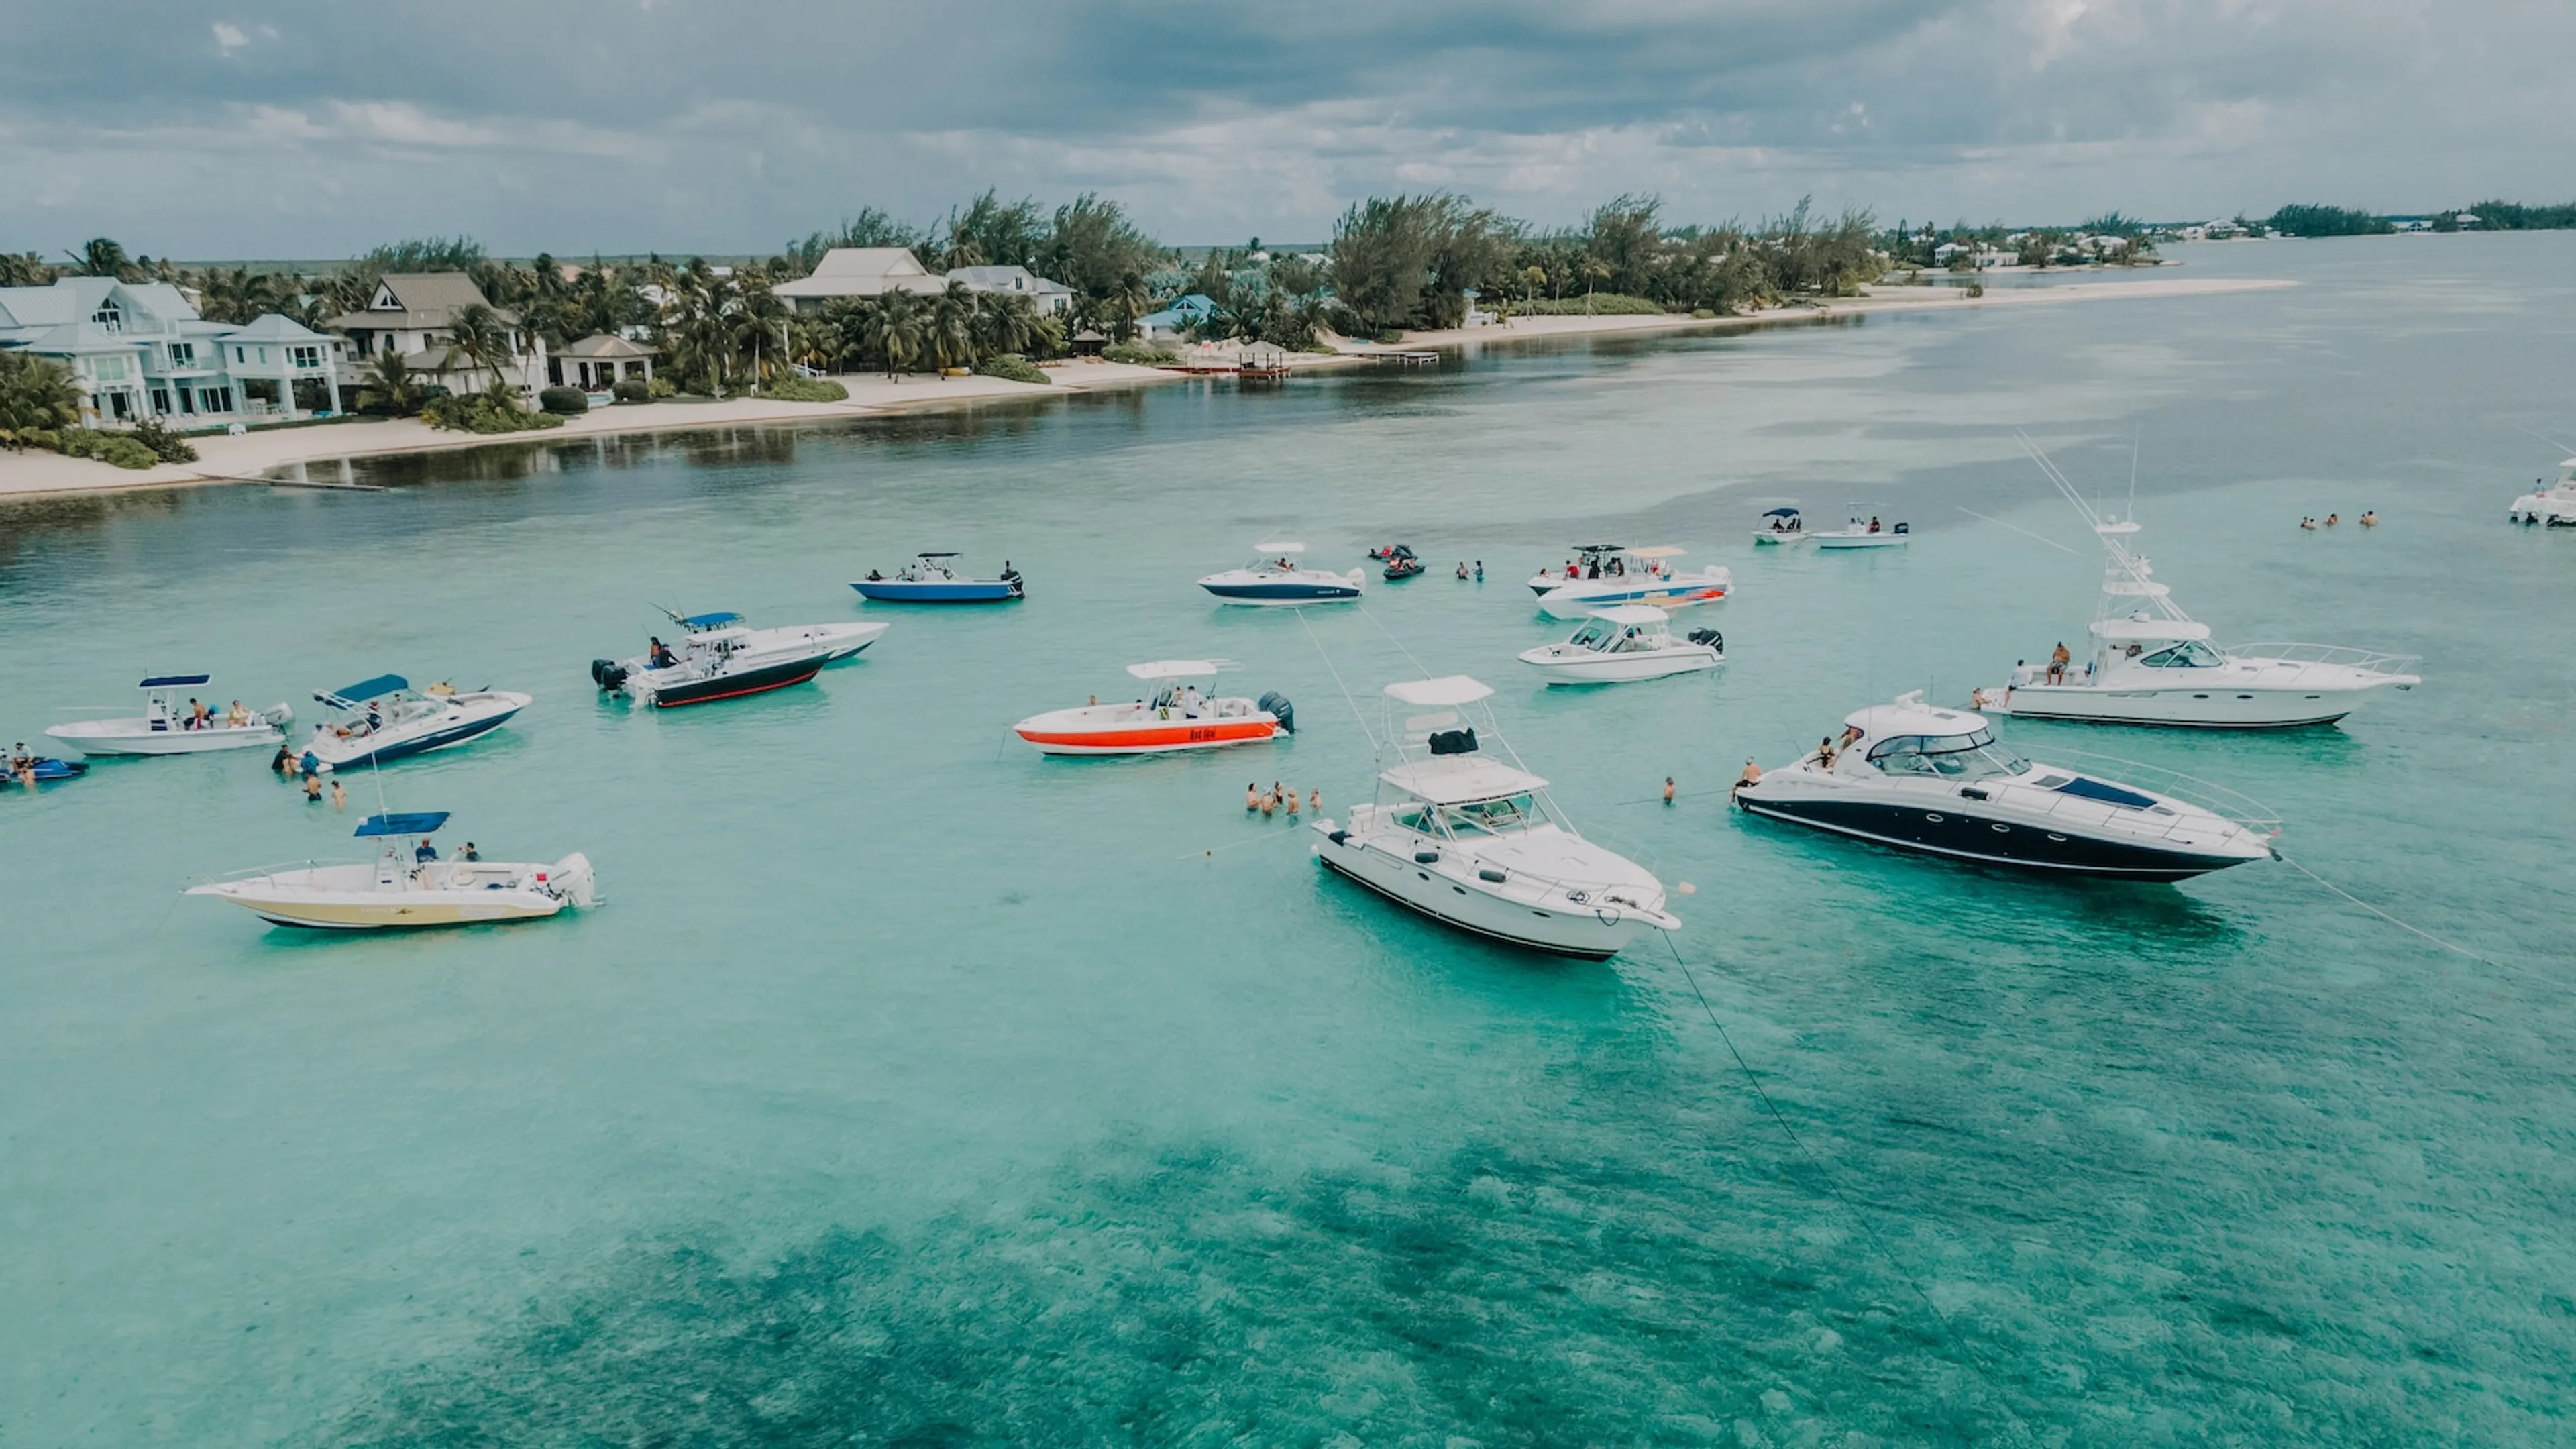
(1132, 729)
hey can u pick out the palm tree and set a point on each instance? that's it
(893, 330)
(479, 333)
(36, 393)
(387, 384)
(951, 329)
(102, 257)
(1127, 301)
(24, 269)
(1004, 322)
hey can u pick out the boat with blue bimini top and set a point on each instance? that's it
(721, 657)
(167, 728)
(384, 719)
(1780, 527)
(933, 578)
(1604, 575)
(1919, 777)
(407, 886)
(1474, 843)
(1274, 578)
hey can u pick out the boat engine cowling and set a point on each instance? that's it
(1709, 637)
(1276, 704)
(571, 879)
(610, 674)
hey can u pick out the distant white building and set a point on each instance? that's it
(1052, 299)
(139, 350)
(859, 272)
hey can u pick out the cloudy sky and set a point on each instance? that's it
(316, 130)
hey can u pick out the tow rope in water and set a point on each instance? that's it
(2392, 920)
(1337, 680)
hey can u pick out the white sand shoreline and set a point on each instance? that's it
(244, 459)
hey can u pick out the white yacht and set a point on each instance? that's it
(721, 657)
(1474, 843)
(1917, 777)
(407, 886)
(1604, 575)
(1632, 641)
(2149, 663)
(1274, 577)
(1865, 531)
(2554, 505)
(384, 719)
(166, 728)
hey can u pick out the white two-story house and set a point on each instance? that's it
(139, 350)
(413, 314)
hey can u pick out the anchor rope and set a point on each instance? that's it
(1362, 719)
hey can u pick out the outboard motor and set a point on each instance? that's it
(610, 674)
(1275, 703)
(1905, 528)
(1709, 637)
(1453, 742)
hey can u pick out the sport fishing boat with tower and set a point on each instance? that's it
(1604, 575)
(1274, 578)
(2149, 663)
(167, 728)
(1473, 842)
(1177, 716)
(2554, 505)
(1917, 777)
(407, 886)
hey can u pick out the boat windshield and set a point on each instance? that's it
(1492, 817)
(2191, 654)
(1950, 757)
(1595, 634)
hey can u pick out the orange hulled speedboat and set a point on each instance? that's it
(1178, 716)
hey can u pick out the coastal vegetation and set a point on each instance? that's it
(2308, 219)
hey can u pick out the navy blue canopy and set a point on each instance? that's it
(173, 681)
(418, 822)
(1781, 513)
(366, 689)
(2108, 794)
(710, 621)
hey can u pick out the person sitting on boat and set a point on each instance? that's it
(1825, 753)
(1873, 523)
(424, 853)
(2058, 659)
(237, 716)
(1752, 775)
(659, 656)
(1009, 574)
(875, 577)
(469, 852)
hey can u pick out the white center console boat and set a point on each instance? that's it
(1864, 531)
(1473, 842)
(2554, 505)
(1602, 575)
(1179, 716)
(407, 886)
(167, 728)
(1631, 641)
(1273, 577)
(1917, 777)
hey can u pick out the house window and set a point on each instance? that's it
(183, 354)
(187, 401)
(107, 369)
(161, 401)
(109, 318)
(305, 356)
(240, 356)
(214, 399)
(263, 354)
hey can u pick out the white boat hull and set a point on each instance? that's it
(368, 897)
(1453, 891)
(1130, 729)
(2245, 694)
(1860, 540)
(1781, 539)
(468, 715)
(1563, 664)
(1671, 591)
(140, 737)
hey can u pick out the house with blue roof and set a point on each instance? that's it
(1169, 324)
(139, 350)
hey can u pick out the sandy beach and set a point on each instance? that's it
(251, 456)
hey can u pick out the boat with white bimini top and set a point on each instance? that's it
(1474, 843)
(1629, 642)
(384, 719)
(1604, 575)
(721, 657)
(1918, 777)
(2149, 663)
(2554, 505)
(1179, 716)
(1780, 526)
(166, 728)
(1864, 531)
(407, 886)
(932, 578)
(1273, 577)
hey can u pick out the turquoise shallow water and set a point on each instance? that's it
(911, 1089)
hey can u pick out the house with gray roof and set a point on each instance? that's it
(1052, 299)
(413, 315)
(139, 350)
(859, 272)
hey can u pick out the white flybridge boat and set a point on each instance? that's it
(1474, 843)
(384, 719)
(1631, 641)
(2152, 664)
(1178, 717)
(1273, 577)
(407, 886)
(2554, 505)
(165, 729)
(721, 657)
(1603, 575)
(1864, 532)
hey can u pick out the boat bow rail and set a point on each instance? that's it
(2367, 661)
(2233, 806)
